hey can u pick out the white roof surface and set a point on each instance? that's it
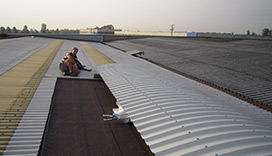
(173, 114)
(178, 116)
(27, 138)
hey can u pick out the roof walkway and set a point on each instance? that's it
(173, 114)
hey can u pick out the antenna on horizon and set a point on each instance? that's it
(172, 29)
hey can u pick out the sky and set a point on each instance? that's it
(223, 16)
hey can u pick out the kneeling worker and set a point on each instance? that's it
(70, 65)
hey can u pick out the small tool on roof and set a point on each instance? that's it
(119, 114)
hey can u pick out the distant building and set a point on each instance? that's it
(86, 31)
(105, 31)
(98, 31)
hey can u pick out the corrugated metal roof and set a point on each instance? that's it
(18, 87)
(174, 115)
(177, 116)
(26, 138)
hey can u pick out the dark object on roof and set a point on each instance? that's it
(97, 76)
(135, 52)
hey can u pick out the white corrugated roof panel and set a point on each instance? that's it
(173, 114)
(27, 137)
(178, 116)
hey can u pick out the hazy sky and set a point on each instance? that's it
(236, 16)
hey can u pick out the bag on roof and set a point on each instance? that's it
(63, 67)
(79, 65)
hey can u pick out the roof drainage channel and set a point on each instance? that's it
(178, 116)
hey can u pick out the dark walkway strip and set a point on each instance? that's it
(76, 126)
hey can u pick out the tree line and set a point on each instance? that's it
(43, 30)
(265, 32)
(109, 27)
(7, 30)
